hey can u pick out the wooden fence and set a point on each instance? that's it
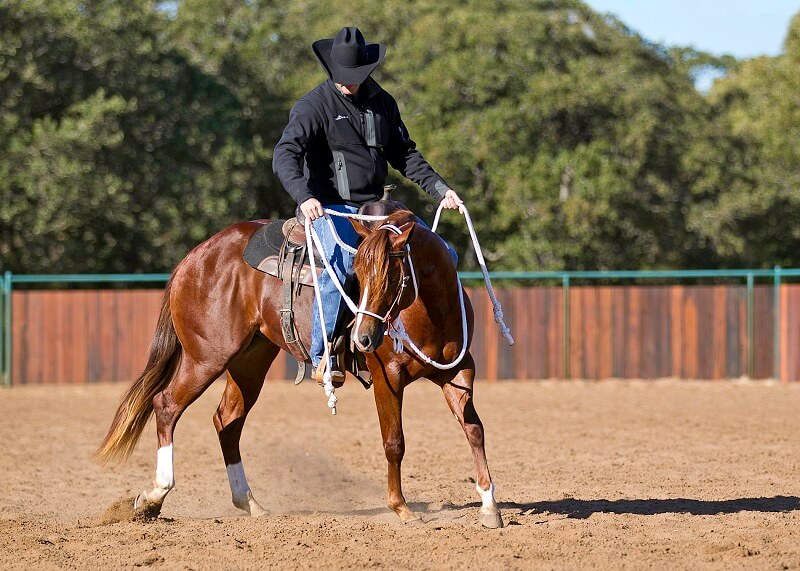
(86, 336)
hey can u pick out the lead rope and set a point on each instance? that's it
(498, 309)
(398, 335)
(327, 383)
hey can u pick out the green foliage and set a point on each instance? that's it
(748, 181)
(122, 154)
(131, 133)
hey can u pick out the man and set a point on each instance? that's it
(346, 129)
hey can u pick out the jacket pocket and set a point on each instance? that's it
(377, 128)
(342, 182)
(341, 132)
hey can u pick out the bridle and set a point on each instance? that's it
(405, 255)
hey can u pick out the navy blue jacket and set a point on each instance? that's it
(346, 143)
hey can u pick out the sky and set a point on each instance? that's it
(742, 28)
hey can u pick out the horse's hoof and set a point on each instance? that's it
(406, 515)
(144, 508)
(416, 520)
(250, 505)
(491, 520)
(256, 510)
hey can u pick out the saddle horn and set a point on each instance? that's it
(387, 191)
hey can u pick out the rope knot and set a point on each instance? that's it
(498, 314)
(330, 392)
(397, 333)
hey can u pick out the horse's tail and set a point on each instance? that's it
(136, 407)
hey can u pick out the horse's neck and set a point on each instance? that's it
(437, 278)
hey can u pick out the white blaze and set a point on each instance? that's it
(360, 316)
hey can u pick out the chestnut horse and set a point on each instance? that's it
(220, 315)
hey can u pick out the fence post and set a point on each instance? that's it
(7, 329)
(776, 323)
(565, 327)
(2, 331)
(751, 362)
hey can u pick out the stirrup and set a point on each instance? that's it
(337, 374)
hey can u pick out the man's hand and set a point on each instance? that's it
(452, 201)
(311, 209)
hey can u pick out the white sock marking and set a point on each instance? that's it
(487, 497)
(239, 486)
(165, 476)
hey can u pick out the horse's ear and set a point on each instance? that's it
(406, 230)
(361, 229)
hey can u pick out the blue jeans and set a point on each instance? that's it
(341, 262)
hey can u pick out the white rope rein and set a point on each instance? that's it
(395, 330)
(312, 239)
(498, 309)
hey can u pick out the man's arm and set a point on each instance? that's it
(287, 158)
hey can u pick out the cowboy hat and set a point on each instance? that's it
(348, 58)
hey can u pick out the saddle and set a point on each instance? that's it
(279, 248)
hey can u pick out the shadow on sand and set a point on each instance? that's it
(581, 509)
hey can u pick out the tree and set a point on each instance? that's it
(123, 154)
(747, 181)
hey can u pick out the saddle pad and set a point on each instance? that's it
(267, 241)
(263, 251)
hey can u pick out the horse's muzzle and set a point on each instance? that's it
(368, 338)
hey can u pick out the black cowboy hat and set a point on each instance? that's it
(348, 58)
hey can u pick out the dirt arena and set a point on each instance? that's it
(612, 474)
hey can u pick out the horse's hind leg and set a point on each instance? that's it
(458, 394)
(245, 378)
(189, 382)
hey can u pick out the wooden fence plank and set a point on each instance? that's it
(633, 331)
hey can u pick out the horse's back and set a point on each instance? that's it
(216, 269)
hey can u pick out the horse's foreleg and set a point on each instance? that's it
(389, 402)
(190, 381)
(245, 379)
(458, 393)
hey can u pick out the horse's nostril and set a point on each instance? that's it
(365, 341)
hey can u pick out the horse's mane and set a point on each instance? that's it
(373, 254)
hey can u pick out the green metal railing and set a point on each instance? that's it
(565, 278)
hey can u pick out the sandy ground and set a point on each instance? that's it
(607, 475)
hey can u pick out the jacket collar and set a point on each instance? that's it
(369, 89)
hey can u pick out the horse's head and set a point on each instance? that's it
(383, 267)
